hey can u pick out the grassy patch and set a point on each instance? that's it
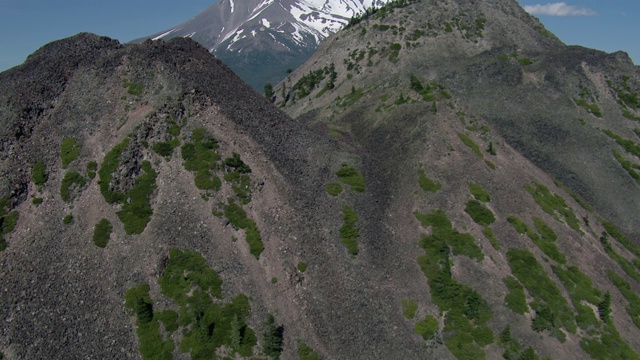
(460, 243)
(409, 308)
(134, 89)
(334, 188)
(471, 144)
(488, 233)
(165, 148)
(552, 310)
(630, 146)
(102, 233)
(37, 201)
(545, 240)
(467, 313)
(580, 290)
(109, 166)
(625, 289)
(92, 168)
(71, 180)
(67, 219)
(201, 157)
(620, 237)
(478, 192)
(626, 265)
(582, 202)
(628, 165)
(302, 266)
(239, 220)
(553, 205)
(513, 349)
(238, 175)
(351, 177)
(39, 174)
(427, 327)
(479, 213)
(428, 184)
(69, 151)
(136, 211)
(305, 352)
(349, 232)
(592, 108)
(516, 299)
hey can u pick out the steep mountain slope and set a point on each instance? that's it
(261, 39)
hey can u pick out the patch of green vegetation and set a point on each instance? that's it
(625, 289)
(349, 232)
(302, 266)
(39, 174)
(608, 345)
(305, 352)
(136, 211)
(553, 205)
(516, 299)
(428, 184)
(67, 219)
(582, 202)
(592, 108)
(472, 145)
(626, 95)
(629, 115)
(552, 310)
(545, 241)
(479, 213)
(427, 328)
(272, 338)
(513, 349)
(488, 233)
(351, 98)
(580, 290)
(239, 220)
(92, 168)
(109, 166)
(71, 180)
(525, 61)
(192, 286)
(630, 146)
(238, 175)
(351, 177)
(102, 233)
(69, 151)
(620, 237)
(467, 313)
(460, 243)
(37, 201)
(409, 308)
(395, 51)
(134, 89)
(478, 192)
(200, 156)
(334, 188)
(627, 165)
(165, 148)
(625, 264)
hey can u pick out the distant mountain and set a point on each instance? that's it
(262, 39)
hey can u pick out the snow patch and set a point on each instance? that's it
(165, 34)
(265, 23)
(231, 4)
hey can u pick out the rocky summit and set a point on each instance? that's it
(440, 180)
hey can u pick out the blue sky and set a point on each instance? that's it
(25, 25)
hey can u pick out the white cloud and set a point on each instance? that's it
(558, 9)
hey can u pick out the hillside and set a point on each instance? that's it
(428, 185)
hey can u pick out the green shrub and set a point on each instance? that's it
(460, 243)
(349, 232)
(136, 211)
(39, 174)
(479, 213)
(302, 266)
(334, 188)
(625, 289)
(305, 352)
(351, 177)
(553, 205)
(593, 109)
(70, 179)
(478, 192)
(92, 167)
(620, 237)
(525, 61)
(69, 151)
(516, 299)
(67, 219)
(165, 148)
(8, 222)
(409, 308)
(488, 233)
(428, 184)
(628, 166)
(630, 146)
(109, 166)
(471, 144)
(102, 233)
(427, 327)
(273, 338)
(239, 220)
